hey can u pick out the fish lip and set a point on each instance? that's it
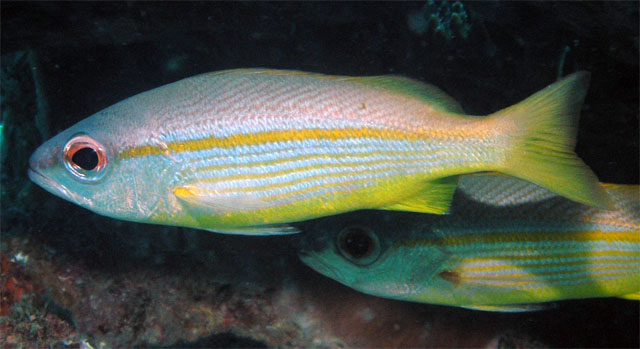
(40, 179)
(55, 188)
(320, 265)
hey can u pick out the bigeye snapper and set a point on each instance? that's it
(508, 246)
(247, 151)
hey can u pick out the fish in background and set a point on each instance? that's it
(508, 246)
(247, 151)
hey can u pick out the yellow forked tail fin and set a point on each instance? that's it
(545, 127)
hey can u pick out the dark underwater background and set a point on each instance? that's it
(71, 278)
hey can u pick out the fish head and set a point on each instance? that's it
(369, 251)
(88, 164)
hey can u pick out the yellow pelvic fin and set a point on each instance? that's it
(435, 197)
(632, 296)
(545, 129)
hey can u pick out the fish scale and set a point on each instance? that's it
(494, 252)
(251, 150)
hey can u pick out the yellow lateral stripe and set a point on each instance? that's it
(504, 237)
(586, 263)
(286, 183)
(284, 160)
(467, 272)
(276, 136)
(545, 282)
(510, 237)
(568, 255)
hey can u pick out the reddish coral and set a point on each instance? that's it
(14, 285)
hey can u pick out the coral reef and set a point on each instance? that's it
(221, 304)
(26, 312)
(445, 20)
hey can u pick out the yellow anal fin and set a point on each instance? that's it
(435, 197)
(632, 296)
(512, 308)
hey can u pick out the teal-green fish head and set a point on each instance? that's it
(367, 251)
(71, 166)
(84, 164)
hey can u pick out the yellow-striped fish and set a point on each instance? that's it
(508, 246)
(246, 151)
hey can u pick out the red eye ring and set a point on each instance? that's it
(85, 158)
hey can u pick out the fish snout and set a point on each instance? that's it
(41, 164)
(43, 158)
(311, 244)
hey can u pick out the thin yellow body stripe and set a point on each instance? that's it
(293, 182)
(501, 238)
(582, 236)
(314, 188)
(290, 136)
(585, 263)
(588, 254)
(292, 193)
(544, 283)
(302, 180)
(325, 155)
(588, 267)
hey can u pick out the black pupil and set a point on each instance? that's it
(357, 243)
(86, 158)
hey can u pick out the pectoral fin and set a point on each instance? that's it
(435, 197)
(210, 202)
(202, 202)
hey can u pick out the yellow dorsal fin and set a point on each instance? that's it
(435, 197)
(436, 98)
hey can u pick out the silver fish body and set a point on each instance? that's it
(506, 244)
(246, 151)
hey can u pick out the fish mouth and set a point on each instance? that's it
(40, 179)
(55, 188)
(315, 261)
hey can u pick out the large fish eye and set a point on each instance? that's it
(359, 245)
(84, 158)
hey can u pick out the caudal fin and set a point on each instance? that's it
(546, 125)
